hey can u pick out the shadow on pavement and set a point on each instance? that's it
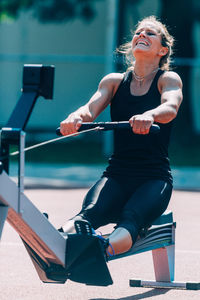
(153, 292)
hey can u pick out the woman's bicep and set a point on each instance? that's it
(105, 92)
(172, 91)
(102, 98)
(98, 102)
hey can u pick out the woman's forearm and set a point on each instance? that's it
(164, 113)
(84, 113)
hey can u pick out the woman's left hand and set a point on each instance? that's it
(141, 124)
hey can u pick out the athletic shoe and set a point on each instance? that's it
(84, 227)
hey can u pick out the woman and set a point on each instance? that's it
(136, 187)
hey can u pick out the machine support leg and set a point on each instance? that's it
(163, 260)
(21, 169)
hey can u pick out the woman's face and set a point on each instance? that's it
(147, 39)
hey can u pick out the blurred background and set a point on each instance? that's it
(79, 37)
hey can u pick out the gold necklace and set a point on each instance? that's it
(141, 78)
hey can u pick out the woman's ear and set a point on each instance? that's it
(163, 51)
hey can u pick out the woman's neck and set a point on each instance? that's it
(142, 69)
(144, 72)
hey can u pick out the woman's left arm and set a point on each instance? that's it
(170, 87)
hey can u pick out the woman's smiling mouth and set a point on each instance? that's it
(142, 42)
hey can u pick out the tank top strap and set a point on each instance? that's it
(158, 74)
(129, 76)
(127, 80)
(154, 86)
(123, 86)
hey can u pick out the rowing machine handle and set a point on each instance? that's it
(109, 126)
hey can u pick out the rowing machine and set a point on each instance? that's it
(76, 257)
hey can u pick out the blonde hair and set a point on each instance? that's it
(166, 41)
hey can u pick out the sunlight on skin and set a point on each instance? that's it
(121, 241)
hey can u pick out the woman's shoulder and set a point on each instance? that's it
(170, 75)
(169, 78)
(113, 77)
(112, 81)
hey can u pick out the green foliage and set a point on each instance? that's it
(48, 10)
(10, 9)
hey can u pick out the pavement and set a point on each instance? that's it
(39, 175)
(19, 280)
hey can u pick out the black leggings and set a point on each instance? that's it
(130, 203)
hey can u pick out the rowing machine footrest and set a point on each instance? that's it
(85, 260)
(56, 273)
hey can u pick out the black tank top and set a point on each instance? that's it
(135, 155)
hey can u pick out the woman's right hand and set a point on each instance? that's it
(71, 124)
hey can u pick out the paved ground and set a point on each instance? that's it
(19, 281)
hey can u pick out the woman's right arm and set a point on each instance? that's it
(98, 102)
